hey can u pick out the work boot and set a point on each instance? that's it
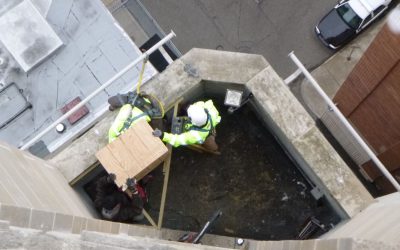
(210, 144)
(138, 217)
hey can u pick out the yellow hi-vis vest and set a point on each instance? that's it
(194, 134)
(126, 118)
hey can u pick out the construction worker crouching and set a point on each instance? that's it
(116, 204)
(126, 118)
(200, 129)
(128, 115)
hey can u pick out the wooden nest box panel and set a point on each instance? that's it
(133, 154)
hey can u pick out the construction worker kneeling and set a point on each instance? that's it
(199, 128)
(133, 109)
(113, 202)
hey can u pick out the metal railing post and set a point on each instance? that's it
(346, 123)
(101, 88)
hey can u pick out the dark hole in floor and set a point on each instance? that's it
(258, 188)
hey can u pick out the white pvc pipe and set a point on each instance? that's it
(343, 119)
(101, 88)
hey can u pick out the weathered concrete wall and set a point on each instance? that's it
(30, 182)
(42, 222)
(293, 124)
(21, 238)
(200, 65)
(380, 222)
(80, 154)
(297, 131)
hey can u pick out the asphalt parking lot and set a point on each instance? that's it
(271, 28)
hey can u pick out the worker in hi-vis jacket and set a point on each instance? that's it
(129, 113)
(200, 128)
(114, 203)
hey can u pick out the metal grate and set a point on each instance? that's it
(12, 104)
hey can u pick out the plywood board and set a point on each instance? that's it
(134, 154)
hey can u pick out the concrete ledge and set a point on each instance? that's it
(278, 102)
(80, 154)
(297, 131)
(333, 171)
(4, 225)
(136, 242)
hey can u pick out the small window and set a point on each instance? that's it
(366, 21)
(349, 16)
(379, 10)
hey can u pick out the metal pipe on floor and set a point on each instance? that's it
(346, 123)
(101, 88)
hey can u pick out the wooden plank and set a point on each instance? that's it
(134, 154)
(111, 165)
(153, 145)
(84, 173)
(127, 161)
(134, 146)
(167, 164)
(144, 133)
(148, 217)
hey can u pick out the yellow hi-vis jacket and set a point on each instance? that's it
(194, 134)
(128, 115)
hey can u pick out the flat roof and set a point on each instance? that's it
(27, 35)
(94, 49)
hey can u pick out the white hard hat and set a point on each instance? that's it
(197, 115)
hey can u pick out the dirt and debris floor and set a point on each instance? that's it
(258, 188)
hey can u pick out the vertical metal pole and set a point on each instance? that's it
(343, 119)
(166, 168)
(101, 88)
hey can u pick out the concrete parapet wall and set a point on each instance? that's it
(27, 181)
(200, 65)
(17, 224)
(80, 154)
(380, 221)
(297, 132)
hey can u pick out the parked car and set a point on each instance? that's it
(347, 19)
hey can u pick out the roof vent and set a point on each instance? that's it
(27, 35)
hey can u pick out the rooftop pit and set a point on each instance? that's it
(259, 189)
(209, 73)
(257, 186)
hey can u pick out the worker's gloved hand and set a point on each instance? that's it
(143, 94)
(111, 178)
(117, 101)
(158, 133)
(131, 183)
